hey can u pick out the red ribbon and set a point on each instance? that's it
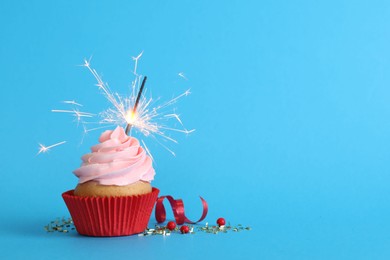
(178, 210)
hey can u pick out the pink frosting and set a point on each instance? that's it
(117, 160)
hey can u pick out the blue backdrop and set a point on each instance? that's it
(290, 102)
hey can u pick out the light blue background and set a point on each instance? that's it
(291, 105)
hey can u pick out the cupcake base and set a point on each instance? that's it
(110, 216)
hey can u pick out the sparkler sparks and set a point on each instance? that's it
(135, 59)
(75, 112)
(72, 102)
(44, 149)
(135, 111)
(181, 74)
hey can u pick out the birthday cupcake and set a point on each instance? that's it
(114, 196)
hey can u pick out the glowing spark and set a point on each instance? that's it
(78, 114)
(86, 62)
(44, 149)
(72, 102)
(174, 116)
(147, 150)
(75, 112)
(135, 59)
(169, 150)
(86, 130)
(181, 74)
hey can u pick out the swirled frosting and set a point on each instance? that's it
(117, 160)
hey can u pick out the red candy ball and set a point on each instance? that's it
(171, 225)
(221, 222)
(184, 229)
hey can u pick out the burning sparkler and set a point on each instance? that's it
(128, 127)
(135, 111)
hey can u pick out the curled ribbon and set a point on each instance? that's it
(178, 210)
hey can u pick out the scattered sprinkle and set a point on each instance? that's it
(160, 230)
(65, 225)
(62, 225)
(164, 231)
(222, 228)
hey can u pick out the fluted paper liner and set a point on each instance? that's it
(110, 216)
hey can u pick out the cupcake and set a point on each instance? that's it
(114, 196)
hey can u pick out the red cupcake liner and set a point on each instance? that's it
(110, 216)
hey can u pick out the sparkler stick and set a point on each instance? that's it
(128, 127)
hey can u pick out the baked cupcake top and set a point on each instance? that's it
(117, 160)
